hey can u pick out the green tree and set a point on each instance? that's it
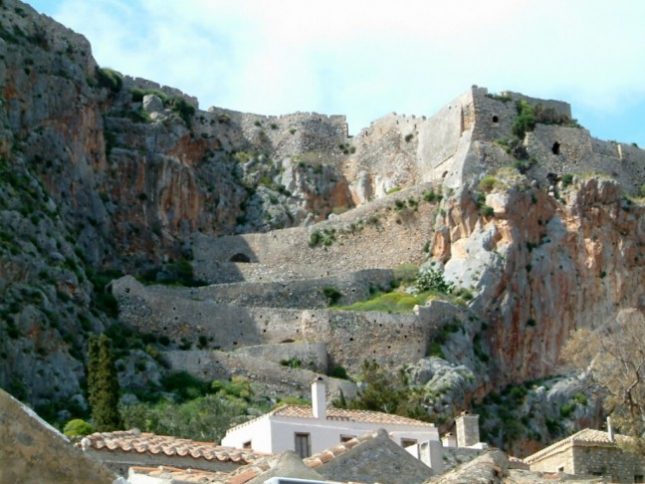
(382, 391)
(77, 428)
(102, 385)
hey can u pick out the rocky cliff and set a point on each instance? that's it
(536, 224)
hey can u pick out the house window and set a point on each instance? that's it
(555, 149)
(561, 469)
(303, 444)
(407, 442)
(346, 438)
(495, 119)
(247, 445)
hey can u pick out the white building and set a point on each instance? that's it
(310, 429)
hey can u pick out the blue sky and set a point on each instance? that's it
(367, 58)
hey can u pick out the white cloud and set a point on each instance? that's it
(366, 58)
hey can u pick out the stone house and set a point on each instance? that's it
(311, 429)
(593, 453)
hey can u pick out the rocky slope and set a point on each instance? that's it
(103, 175)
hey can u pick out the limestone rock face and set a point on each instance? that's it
(32, 452)
(544, 267)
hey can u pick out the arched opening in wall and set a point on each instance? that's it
(239, 257)
(495, 119)
(555, 149)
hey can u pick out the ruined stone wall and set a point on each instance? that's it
(350, 337)
(560, 107)
(274, 378)
(381, 240)
(563, 150)
(310, 293)
(309, 135)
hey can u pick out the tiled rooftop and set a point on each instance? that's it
(585, 438)
(327, 455)
(148, 443)
(340, 414)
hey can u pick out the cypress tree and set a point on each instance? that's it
(92, 368)
(103, 385)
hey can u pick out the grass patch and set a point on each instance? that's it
(391, 302)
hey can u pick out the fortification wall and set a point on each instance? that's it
(560, 107)
(353, 286)
(439, 137)
(398, 151)
(286, 135)
(275, 379)
(565, 150)
(381, 238)
(353, 337)
(350, 337)
(309, 356)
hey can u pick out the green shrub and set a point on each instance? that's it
(641, 190)
(567, 180)
(487, 211)
(430, 196)
(185, 110)
(139, 93)
(291, 363)
(567, 409)
(332, 294)
(525, 120)
(184, 385)
(488, 183)
(430, 279)
(338, 372)
(109, 79)
(435, 349)
(325, 237)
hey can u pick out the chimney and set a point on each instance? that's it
(467, 430)
(449, 440)
(610, 431)
(319, 399)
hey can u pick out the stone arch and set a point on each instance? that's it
(240, 257)
(555, 149)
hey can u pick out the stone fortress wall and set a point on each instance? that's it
(297, 293)
(315, 137)
(349, 337)
(556, 148)
(381, 236)
(447, 147)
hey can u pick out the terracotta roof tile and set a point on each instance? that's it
(341, 414)
(148, 443)
(333, 413)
